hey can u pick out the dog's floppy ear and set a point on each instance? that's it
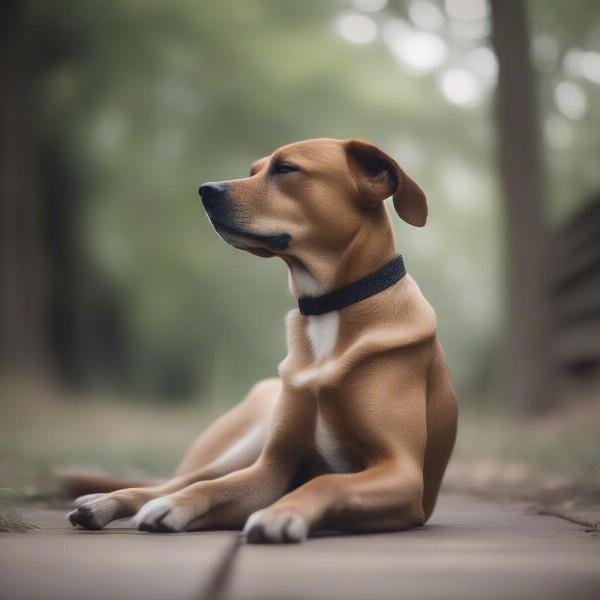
(379, 176)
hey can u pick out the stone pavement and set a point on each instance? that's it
(471, 549)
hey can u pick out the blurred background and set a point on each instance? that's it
(121, 328)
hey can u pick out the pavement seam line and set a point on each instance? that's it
(216, 587)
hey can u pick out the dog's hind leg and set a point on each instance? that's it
(77, 482)
(226, 432)
(232, 428)
(233, 442)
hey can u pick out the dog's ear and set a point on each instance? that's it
(379, 176)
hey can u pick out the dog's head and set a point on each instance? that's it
(311, 199)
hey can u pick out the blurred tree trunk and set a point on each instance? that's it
(530, 379)
(23, 269)
(53, 312)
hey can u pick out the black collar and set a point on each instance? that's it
(354, 292)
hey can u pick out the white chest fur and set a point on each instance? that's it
(329, 449)
(322, 331)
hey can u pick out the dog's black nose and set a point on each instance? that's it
(211, 193)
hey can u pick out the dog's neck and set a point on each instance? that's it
(370, 249)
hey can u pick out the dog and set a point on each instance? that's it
(356, 432)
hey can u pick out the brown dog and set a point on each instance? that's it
(357, 432)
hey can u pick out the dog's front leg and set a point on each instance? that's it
(385, 497)
(227, 502)
(94, 511)
(223, 503)
(186, 494)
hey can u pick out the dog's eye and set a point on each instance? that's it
(282, 168)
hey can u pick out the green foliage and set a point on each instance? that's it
(144, 100)
(573, 146)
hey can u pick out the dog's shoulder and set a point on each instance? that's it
(400, 315)
(413, 312)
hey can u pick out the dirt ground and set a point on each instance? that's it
(471, 549)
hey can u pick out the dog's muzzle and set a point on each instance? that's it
(225, 219)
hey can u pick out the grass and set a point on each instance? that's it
(10, 518)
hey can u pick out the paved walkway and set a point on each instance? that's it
(472, 549)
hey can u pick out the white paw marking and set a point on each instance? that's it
(276, 527)
(152, 511)
(162, 514)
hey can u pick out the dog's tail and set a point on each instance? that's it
(77, 482)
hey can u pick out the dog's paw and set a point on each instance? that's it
(162, 515)
(95, 511)
(276, 526)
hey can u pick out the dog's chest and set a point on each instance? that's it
(322, 332)
(329, 448)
